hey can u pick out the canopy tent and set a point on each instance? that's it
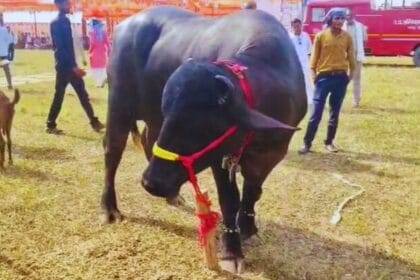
(124, 8)
(113, 11)
(29, 5)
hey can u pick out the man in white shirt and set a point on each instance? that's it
(5, 41)
(303, 47)
(358, 33)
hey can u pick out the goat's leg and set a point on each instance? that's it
(9, 147)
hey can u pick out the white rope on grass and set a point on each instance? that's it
(336, 217)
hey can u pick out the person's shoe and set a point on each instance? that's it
(356, 105)
(97, 125)
(331, 148)
(10, 87)
(54, 131)
(304, 150)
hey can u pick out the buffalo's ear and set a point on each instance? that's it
(224, 87)
(254, 120)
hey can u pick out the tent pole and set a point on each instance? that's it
(35, 25)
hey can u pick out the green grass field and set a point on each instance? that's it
(49, 199)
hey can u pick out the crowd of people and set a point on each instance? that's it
(335, 59)
(27, 40)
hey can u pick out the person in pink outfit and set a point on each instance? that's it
(99, 49)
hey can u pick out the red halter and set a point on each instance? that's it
(188, 161)
(209, 221)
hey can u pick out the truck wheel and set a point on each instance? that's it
(416, 57)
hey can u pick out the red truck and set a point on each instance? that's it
(393, 26)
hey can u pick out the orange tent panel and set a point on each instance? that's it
(32, 5)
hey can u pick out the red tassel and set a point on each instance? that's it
(208, 222)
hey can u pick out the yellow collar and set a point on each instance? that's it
(164, 154)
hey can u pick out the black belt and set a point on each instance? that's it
(333, 73)
(329, 74)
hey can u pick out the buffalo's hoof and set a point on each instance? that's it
(232, 265)
(177, 201)
(247, 227)
(111, 217)
(253, 241)
(248, 232)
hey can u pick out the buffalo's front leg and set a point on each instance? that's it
(232, 256)
(246, 219)
(255, 169)
(115, 140)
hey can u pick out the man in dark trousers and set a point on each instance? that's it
(332, 65)
(67, 70)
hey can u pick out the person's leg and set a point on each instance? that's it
(338, 92)
(61, 82)
(357, 84)
(96, 76)
(309, 90)
(8, 75)
(103, 77)
(79, 86)
(320, 96)
(11, 52)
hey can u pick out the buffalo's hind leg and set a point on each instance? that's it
(118, 128)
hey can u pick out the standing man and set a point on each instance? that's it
(250, 5)
(303, 47)
(5, 40)
(332, 65)
(67, 70)
(358, 33)
(12, 44)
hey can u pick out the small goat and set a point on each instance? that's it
(7, 110)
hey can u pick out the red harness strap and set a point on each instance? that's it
(239, 71)
(188, 161)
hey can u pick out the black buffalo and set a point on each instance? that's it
(188, 103)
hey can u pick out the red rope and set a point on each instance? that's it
(209, 221)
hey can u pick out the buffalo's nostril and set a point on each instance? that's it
(144, 182)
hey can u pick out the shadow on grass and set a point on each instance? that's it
(43, 153)
(9, 263)
(372, 110)
(290, 253)
(25, 173)
(98, 137)
(388, 65)
(179, 230)
(342, 162)
(379, 158)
